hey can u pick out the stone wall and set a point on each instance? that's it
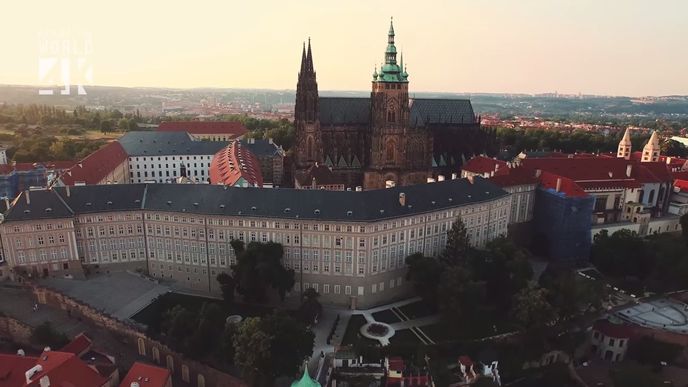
(15, 330)
(190, 371)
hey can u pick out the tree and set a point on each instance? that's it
(572, 296)
(265, 348)
(423, 272)
(457, 244)
(210, 325)
(106, 126)
(460, 297)
(46, 335)
(674, 149)
(252, 352)
(179, 325)
(310, 308)
(258, 268)
(531, 310)
(227, 286)
(123, 124)
(227, 343)
(633, 375)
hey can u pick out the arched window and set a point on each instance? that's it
(170, 363)
(156, 355)
(651, 197)
(389, 150)
(201, 381)
(185, 373)
(142, 346)
(309, 148)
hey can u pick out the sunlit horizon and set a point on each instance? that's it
(616, 48)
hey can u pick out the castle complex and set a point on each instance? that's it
(388, 139)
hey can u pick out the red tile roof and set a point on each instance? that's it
(233, 163)
(683, 175)
(483, 164)
(61, 368)
(609, 329)
(233, 128)
(146, 375)
(80, 344)
(96, 166)
(13, 368)
(516, 176)
(566, 185)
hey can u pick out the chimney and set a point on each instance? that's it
(28, 199)
(270, 140)
(431, 180)
(440, 177)
(359, 188)
(7, 202)
(558, 184)
(454, 176)
(45, 381)
(470, 178)
(538, 172)
(69, 193)
(668, 160)
(402, 199)
(629, 169)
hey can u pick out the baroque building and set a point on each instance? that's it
(385, 140)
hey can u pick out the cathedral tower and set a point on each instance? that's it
(624, 149)
(651, 149)
(399, 155)
(309, 145)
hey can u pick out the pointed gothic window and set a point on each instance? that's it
(309, 148)
(391, 116)
(389, 150)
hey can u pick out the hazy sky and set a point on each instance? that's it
(615, 47)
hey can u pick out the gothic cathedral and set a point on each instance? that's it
(384, 140)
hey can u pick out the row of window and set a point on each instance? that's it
(360, 291)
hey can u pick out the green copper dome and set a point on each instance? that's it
(306, 380)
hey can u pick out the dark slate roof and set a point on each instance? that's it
(424, 111)
(261, 147)
(44, 204)
(344, 110)
(427, 111)
(103, 198)
(261, 202)
(149, 143)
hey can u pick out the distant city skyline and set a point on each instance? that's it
(614, 47)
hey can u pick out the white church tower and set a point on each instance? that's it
(624, 149)
(651, 149)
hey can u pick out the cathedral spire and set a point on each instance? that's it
(309, 58)
(303, 58)
(391, 52)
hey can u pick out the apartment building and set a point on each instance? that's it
(350, 246)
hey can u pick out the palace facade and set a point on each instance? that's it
(388, 139)
(350, 245)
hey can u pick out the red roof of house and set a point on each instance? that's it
(609, 329)
(12, 369)
(483, 164)
(566, 186)
(233, 128)
(603, 170)
(683, 175)
(146, 375)
(515, 176)
(96, 166)
(62, 369)
(80, 344)
(233, 163)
